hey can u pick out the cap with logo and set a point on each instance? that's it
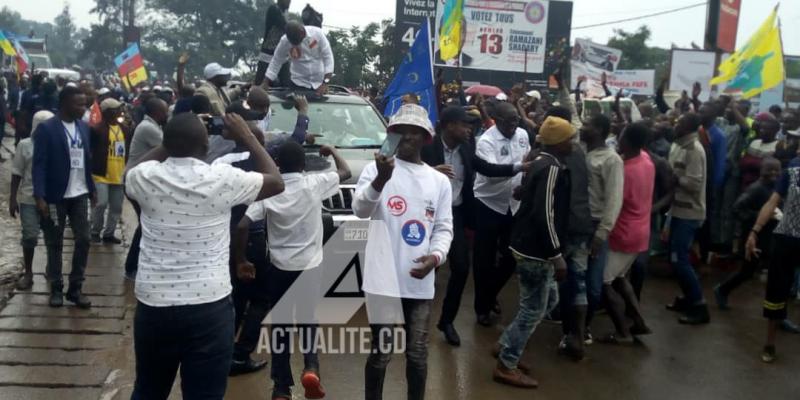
(214, 69)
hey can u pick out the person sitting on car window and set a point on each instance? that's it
(311, 58)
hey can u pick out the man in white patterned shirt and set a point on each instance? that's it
(184, 317)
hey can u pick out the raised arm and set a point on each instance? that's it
(342, 169)
(262, 162)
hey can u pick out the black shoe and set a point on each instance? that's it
(56, 298)
(450, 334)
(96, 239)
(77, 298)
(485, 320)
(111, 240)
(247, 366)
(679, 305)
(696, 315)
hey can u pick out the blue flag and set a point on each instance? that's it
(414, 75)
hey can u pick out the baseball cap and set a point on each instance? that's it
(157, 88)
(795, 133)
(414, 115)
(501, 97)
(214, 69)
(555, 130)
(110, 104)
(455, 114)
(103, 91)
(535, 94)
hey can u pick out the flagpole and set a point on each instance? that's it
(783, 60)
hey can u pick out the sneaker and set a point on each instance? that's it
(588, 339)
(25, 283)
(312, 384)
(241, 367)
(722, 300)
(768, 355)
(79, 299)
(111, 240)
(788, 326)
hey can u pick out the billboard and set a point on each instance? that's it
(690, 66)
(589, 62)
(499, 35)
(497, 55)
(791, 91)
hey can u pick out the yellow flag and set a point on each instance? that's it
(450, 30)
(137, 75)
(758, 66)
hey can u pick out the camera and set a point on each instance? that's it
(214, 125)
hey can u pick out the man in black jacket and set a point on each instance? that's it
(452, 154)
(540, 228)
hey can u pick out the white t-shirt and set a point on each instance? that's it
(493, 147)
(76, 186)
(415, 208)
(294, 219)
(186, 215)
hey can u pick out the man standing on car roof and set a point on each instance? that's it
(274, 29)
(311, 58)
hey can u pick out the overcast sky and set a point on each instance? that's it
(680, 28)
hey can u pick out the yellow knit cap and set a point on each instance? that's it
(555, 130)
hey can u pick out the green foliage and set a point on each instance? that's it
(9, 19)
(637, 55)
(61, 45)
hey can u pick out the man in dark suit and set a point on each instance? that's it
(453, 154)
(62, 187)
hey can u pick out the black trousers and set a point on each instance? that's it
(458, 259)
(198, 339)
(251, 299)
(132, 260)
(261, 72)
(748, 268)
(785, 259)
(492, 235)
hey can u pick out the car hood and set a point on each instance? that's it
(356, 159)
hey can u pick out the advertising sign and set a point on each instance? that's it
(792, 85)
(500, 35)
(589, 62)
(633, 81)
(690, 66)
(728, 24)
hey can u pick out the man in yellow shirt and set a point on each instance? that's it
(110, 143)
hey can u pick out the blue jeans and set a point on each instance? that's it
(573, 291)
(196, 338)
(594, 280)
(681, 237)
(538, 295)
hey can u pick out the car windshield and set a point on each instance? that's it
(336, 124)
(39, 61)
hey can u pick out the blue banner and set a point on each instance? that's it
(414, 76)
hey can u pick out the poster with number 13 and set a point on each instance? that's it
(499, 35)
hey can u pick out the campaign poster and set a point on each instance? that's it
(589, 62)
(690, 66)
(500, 35)
(632, 81)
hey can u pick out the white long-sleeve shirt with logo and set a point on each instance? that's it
(412, 217)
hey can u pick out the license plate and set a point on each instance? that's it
(355, 234)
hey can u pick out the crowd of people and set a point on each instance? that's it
(573, 202)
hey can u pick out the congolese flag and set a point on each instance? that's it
(6, 45)
(450, 29)
(22, 57)
(758, 66)
(130, 66)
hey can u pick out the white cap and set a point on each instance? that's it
(103, 91)
(535, 94)
(214, 69)
(501, 97)
(157, 88)
(794, 133)
(71, 84)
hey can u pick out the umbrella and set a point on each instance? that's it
(485, 90)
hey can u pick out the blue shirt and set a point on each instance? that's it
(719, 152)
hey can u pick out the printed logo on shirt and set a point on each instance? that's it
(413, 233)
(397, 205)
(430, 212)
(312, 44)
(522, 142)
(504, 150)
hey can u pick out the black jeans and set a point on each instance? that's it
(251, 300)
(132, 260)
(77, 210)
(196, 338)
(458, 258)
(280, 338)
(261, 71)
(417, 315)
(492, 234)
(749, 268)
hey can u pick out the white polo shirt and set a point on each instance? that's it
(294, 219)
(186, 215)
(494, 148)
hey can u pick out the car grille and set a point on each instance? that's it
(342, 202)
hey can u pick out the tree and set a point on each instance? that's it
(9, 19)
(636, 54)
(61, 45)
(388, 56)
